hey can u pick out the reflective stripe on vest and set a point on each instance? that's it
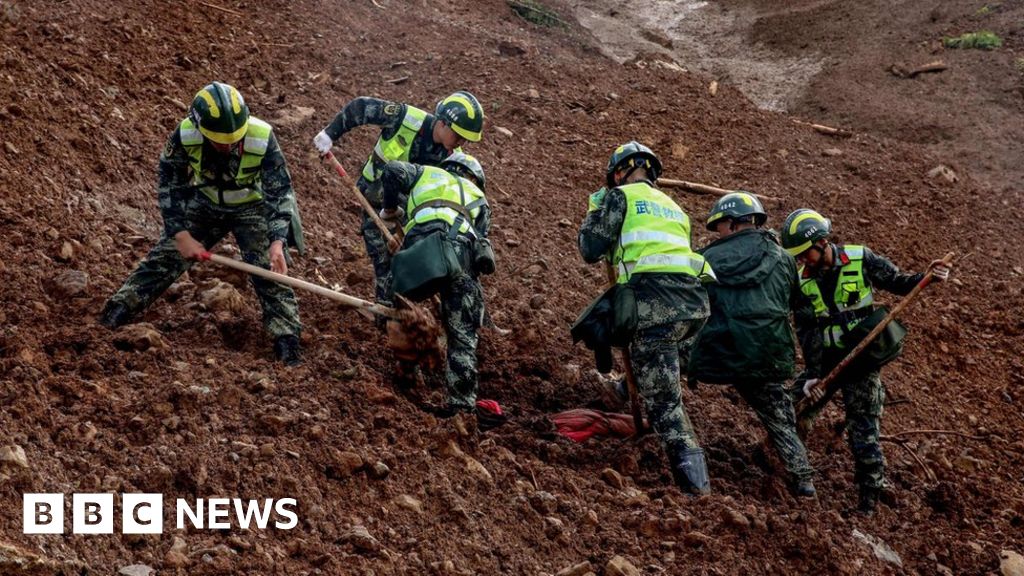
(852, 293)
(398, 146)
(655, 236)
(254, 147)
(437, 184)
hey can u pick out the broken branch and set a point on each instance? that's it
(920, 462)
(826, 130)
(398, 80)
(221, 8)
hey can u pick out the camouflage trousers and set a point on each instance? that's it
(380, 258)
(462, 312)
(773, 406)
(208, 225)
(655, 355)
(864, 398)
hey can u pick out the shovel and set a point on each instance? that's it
(809, 408)
(412, 333)
(394, 240)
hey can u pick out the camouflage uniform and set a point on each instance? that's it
(255, 226)
(863, 392)
(462, 299)
(423, 150)
(671, 310)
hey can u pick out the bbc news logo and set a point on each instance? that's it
(144, 514)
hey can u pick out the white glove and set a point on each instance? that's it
(323, 142)
(809, 386)
(391, 216)
(940, 271)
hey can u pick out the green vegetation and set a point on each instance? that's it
(1020, 65)
(988, 9)
(983, 40)
(537, 13)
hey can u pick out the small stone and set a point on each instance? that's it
(544, 502)
(696, 539)
(361, 539)
(735, 519)
(136, 570)
(142, 336)
(613, 478)
(477, 469)
(67, 252)
(267, 450)
(409, 503)
(713, 87)
(380, 470)
(10, 148)
(532, 94)
(619, 566)
(831, 152)
(13, 456)
(345, 464)
(177, 556)
(577, 570)
(944, 172)
(223, 299)
(881, 550)
(68, 284)
(1011, 563)
(565, 223)
(503, 131)
(40, 307)
(51, 233)
(591, 518)
(512, 242)
(537, 301)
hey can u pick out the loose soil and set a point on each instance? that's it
(89, 91)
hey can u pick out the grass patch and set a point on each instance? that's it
(536, 13)
(1020, 65)
(983, 40)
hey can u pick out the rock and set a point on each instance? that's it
(735, 519)
(223, 299)
(136, 570)
(177, 556)
(40, 307)
(293, 116)
(577, 570)
(532, 94)
(10, 148)
(506, 48)
(679, 151)
(831, 152)
(68, 284)
(67, 252)
(360, 538)
(409, 503)
(477, 469)
(345, 464)
(565, 223)
(51, 233)
(1011, 563)
(380, 470)
(944, 172)
(713, 87)
(142, 336)
(591, 518)
(13, 456)
(544, 502)
(696, 539)
(537, 301)
(503, 131)
(635, 498)
(613, 478)
(619, 566)
(881, 549)
(553, 527)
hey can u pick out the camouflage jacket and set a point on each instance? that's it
(175, 190)
(661, 298)
(879, 272)
(388, 115)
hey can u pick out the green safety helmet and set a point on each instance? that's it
(632, 154)
(460, 164)
(737, 205)
(220, 113)
(462, 113)
(802, 229)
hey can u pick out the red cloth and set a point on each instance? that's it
(491, 406)
(580, 424)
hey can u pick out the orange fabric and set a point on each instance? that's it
(580, 424)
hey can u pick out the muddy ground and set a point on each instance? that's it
(89, 91)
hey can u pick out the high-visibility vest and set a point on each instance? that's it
(398, 146)
(439, 195)
(247, 185)
(655, 237)
(852, 293)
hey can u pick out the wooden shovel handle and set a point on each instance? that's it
(634, 394)
(705, 189)
(393, 242)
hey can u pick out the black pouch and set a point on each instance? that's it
(421, 270)
(483, 256)
(594, 328)
(625, 316)
(883, 349)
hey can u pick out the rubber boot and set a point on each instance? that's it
(868, 500)
(690, 471)
(286, 349)
(114, 315)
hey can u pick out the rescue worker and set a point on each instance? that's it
(407, 134)
(447, 209)
(747, 342)
(221, 171)
(645, 236)
(837, 284)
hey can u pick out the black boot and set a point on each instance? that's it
(115, 315)
(804, 488)
(868, 501)
(690, 471)
(286, 349)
